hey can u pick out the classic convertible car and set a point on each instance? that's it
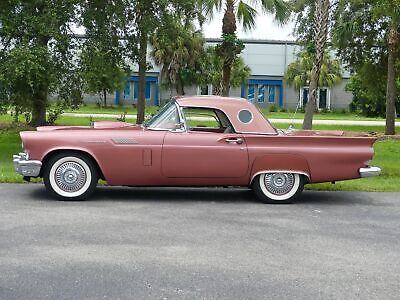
(192, 141)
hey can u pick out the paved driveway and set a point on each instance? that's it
(198, 244)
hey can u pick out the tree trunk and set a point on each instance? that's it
(40, 95)
(228, 27)
(141, 102)
(226, 77)
(39, 107)
(391, 92)
(105, 97)
(179, 87)
(321, 18)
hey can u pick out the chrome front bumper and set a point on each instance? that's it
(26, 167)
(369, 171)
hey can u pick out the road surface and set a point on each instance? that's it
(167, 243)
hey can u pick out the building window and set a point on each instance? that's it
(261, 93)
(136, 90)
(205, 89)
(250, 92)
(127, 90)
(323, 97)
(271, 94)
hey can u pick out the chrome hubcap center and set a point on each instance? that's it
(279, 180)
(70, 176)
(279, 183)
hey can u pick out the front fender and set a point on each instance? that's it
(288, 163)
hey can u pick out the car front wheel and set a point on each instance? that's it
(70, 176)
(278, 188)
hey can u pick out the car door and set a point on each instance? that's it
(193, 154)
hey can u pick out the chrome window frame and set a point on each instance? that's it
(181, 121)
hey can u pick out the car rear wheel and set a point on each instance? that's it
(70, 176)
(278, 188)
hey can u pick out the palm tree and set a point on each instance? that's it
(320, 26)
(211, 71)
(298, 73)
(245, 12)
(177, 47)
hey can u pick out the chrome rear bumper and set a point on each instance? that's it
(26, 167)
(369, 171)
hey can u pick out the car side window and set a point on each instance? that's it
(206, 120)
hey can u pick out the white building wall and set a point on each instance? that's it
(268, 60)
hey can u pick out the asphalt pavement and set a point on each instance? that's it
(169, 243)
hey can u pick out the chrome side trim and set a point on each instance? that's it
(259, 133)
(25, 167)
(369, 172)
(280, 171)
(124, 141)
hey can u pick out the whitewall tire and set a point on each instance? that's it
(278, 187)
(70, 176)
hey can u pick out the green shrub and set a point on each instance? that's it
(272, 108)
(325, 111)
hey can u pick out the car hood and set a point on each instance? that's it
(96, 125)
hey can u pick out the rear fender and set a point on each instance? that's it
(280, 163)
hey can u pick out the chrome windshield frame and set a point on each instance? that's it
(180, 117)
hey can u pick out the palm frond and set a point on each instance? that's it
(208, 7)
(280, 8)
(246, 15)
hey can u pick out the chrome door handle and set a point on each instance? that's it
(238, 141)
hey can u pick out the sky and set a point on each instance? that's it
(265, 28)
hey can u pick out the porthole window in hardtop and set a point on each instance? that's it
(245, 116)
(206, 120)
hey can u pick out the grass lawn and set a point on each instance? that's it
(10, 143)
(112, 109)
(131, 110)
(67, 120)
(387, 156)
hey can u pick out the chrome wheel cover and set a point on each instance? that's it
(70, 176)
(279, 183)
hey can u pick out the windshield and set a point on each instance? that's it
(166, 118)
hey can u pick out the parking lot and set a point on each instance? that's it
(168, 243)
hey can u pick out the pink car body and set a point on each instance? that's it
(136, 155)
